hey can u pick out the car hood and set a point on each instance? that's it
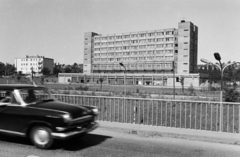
(74, 110)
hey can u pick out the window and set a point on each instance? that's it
(142, 35)
(160, 33)
(86, 38)
(169, 33)
(185, 63)
(160, 45)
(151, 34)
(134, 35)
(185, 29)
(185, 42)
(160, 39)
(142, 46)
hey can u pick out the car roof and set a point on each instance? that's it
(17, 86)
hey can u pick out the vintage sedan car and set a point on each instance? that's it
(31, 111)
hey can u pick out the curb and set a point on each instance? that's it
(159, 131)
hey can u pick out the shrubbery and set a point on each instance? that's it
(231, 95)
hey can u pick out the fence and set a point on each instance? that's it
(159, 112)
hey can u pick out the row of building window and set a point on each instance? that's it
(26, 64)
(27, 69)
(34, 59)
(127, 36)
(149, 58)
(153, 46)
(129, 66)
(134, 41)
(151, 52)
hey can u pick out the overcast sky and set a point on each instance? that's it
(55, 28)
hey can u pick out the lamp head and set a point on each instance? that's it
(121, 64)
(205, 61)
(217, 56)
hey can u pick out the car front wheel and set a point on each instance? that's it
(41, 137)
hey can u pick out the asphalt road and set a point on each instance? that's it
(107, 143)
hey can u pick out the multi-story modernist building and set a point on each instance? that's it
(35, 63)
(153, 51)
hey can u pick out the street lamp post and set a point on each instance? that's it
(173, 66)
(121, 64)
(221, 68)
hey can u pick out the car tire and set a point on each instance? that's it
(41, 137)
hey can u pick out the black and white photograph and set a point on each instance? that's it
(119, 78)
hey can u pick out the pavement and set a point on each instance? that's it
(158, 131)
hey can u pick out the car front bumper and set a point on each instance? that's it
(78, 131)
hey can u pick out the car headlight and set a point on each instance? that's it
(67, 118)
(95, 111)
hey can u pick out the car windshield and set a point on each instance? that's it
(35, 95)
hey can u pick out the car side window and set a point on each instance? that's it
(7, 97)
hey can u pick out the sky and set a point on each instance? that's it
(55, 28)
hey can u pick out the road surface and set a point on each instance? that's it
(109, 143)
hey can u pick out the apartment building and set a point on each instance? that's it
(35, 63)
(153, 51)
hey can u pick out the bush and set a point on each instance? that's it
(231, 95)
(191, 89)
(84, 88)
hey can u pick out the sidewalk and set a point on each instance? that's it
(158, 131)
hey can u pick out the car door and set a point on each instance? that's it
(12, 117)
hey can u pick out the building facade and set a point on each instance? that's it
(35, 63)
(154, 51)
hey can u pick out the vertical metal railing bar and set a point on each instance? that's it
(185, 115)
(195, 123)
(152, 112)
(162, 113)
(114, 110)
(99, 104)
(228, 117)
(175, 108)
(110, 105)
(139, 111)
(238, 118)
(123, 111)
(118, 111)
(206, 116)
(217, 118)
(131, 110)
(201, 117)
(148, 113)
(211, 118)
(233, 126)
(126, 110)
(171, 114)
(157, 102)
(190, 115)
(180, 114)
(166, 104)
(143, 112)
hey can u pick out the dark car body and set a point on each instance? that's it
(44, 117)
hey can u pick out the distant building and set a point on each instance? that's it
(146, 52)
(35, 63)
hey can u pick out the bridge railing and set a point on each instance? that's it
(196, 115)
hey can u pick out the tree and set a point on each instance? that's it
(101, 81)
(45, 71)
(57, 69)
(182, 83)
(68, 69)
